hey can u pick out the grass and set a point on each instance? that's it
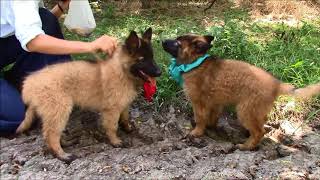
(290, 53)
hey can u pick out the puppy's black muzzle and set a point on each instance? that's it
(158, 72)
(148, 67)
(154, 71)
(171, 46)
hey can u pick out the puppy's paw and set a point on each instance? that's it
(188, 137)
(241, 147)
(191, 136)
(67, 157)
(117, 143)
(244, 147)
(196, 133)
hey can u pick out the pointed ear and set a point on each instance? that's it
(209, 38)
(147, 35)
(132, 42)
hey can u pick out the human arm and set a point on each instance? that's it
(50, 45)
(28, 30)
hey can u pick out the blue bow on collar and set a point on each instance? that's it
(176, 71)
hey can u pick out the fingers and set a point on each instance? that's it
(108, 44)
(113, 44)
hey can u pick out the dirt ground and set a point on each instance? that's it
(157, 150)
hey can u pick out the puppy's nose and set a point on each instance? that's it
(169, 42)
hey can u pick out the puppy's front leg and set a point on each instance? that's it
(201, 116)
(124, 120)
(110, 123)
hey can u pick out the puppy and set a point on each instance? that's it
(216, 83)
(107, 86)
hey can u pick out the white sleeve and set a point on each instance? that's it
(27, 21)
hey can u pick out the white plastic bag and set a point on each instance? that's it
(80, 18)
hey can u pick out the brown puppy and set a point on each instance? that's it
(216, 83)
(107, 86)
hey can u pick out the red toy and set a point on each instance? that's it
(150, 89)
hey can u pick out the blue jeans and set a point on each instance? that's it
(12, 108)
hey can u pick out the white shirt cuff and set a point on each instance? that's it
(33, 32)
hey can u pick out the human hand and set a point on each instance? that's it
(105, 43)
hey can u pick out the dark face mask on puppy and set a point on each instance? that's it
(143, 65)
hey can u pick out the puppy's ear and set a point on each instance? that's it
(208, 38)
(202, 47)
(133, 42)
(147, 35)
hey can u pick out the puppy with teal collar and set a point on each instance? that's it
(212, 83)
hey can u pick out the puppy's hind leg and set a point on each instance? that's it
(55, 117)
(27, 122)
(124, 120)
(254, 123)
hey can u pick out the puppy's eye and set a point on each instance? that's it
(140, 58)
(196, 42)
(199, 44)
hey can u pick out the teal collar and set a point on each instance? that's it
(176, 71)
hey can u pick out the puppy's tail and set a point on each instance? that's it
(28, 120)
(301, 93)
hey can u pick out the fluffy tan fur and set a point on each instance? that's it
(106, 86)
(217, 83)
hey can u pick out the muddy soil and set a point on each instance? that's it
(157, 149)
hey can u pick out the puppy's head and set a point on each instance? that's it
(142, 64)
(187, 48)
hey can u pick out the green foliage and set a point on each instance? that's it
(290, 53)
